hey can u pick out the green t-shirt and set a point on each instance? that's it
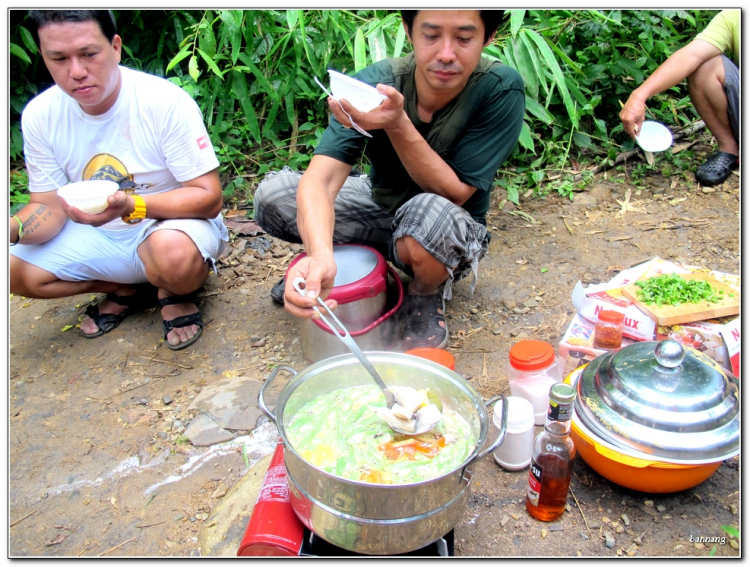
(474, 133)
(723, 32)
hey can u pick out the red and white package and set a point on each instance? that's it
(588, 302)
(731, 334)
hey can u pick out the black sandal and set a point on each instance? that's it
(145, 296)
(716, 168)
(277, 292)
(424, 322)
(184, 321)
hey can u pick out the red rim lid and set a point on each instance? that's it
(531, 355)
(611, 316)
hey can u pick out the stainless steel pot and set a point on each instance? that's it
(370, 518)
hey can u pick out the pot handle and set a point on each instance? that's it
(261, 399)
(500, 435)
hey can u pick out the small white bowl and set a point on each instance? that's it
(654, 137)
(360, 95)
(88, 196)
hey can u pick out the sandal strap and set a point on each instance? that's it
(105, 321)
(176, 299)
(184, 321)
(145, 296)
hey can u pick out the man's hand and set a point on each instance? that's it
(383, 117)
(318, 273)
(632, 115)
(120, 204)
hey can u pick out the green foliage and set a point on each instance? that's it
(19, 189)
(732, 531)
(251, 73)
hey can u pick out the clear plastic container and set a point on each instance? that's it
(532, 370)
(608, 331)
(515, 451)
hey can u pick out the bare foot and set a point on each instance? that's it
(181, 334)
(88, 327)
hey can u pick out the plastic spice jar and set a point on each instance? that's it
(515, 451)
(608, 330)
(532, 370)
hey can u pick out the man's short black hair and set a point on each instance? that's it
(490, 18)
(105, 19)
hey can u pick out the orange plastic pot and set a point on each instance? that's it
(632, 472)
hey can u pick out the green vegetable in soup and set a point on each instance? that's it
(341, 434)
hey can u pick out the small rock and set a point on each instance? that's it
(615, 524)
(631, 552)
(661, 508)
(474, 311)
(555, 527)
(584, 535)
(699, 545)
(619, 529)
(609, 540)
(178, 517)
(733, 544)
(167, 400)
(733, 509)
(684, 516)
(625, 519)
(220, 491)
(649, 503)
(709, 190)
(515, 516)
(162, 434)
(676, 547)
(567, 507)
(594, 525)
(619, 552)
(605, 520)
(505, 520)
(497, 331)
(177, 424)
(544, 533)
(201, 516)
(509, 304)
(579, 554)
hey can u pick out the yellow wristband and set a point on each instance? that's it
(139, 211)
(20, 230)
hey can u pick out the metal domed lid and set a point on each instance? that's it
(662, 400)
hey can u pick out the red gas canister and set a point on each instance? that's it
(274, 528)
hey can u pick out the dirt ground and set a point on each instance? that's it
(97, 466)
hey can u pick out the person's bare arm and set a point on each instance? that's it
(43, 218)
(198, 198)
(424, 165)
(316, 194)
(670, 73)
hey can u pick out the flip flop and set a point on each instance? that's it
(277, 292)
(421, 317)
(145, 296)
(184, 321)
(716, 168)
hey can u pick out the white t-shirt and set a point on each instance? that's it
(153, 135)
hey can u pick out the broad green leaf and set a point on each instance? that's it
(516, 21)
(178, 33)
(309, 51)
(732, 531)
(19, 52)
(193, 68)
(28, 39)
(210, 62)
(539, 111)
(510, 60)
(289, 100)
(271, 118)
(128, 51)
(234, 31)
(207, 39)
(360, 55)
(582, 140)
(265, 86)
(525, 67)
(224, 100)
(239, 86)
(400, 39)
(525, 138)
(512, 191)
(557, 73)
(536, 61)
(291, 18)
(184, 52)
(376, 42)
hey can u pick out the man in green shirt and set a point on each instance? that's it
(450, 119)
(713, 85)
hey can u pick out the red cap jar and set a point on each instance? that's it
(532, 370)
(608, 331)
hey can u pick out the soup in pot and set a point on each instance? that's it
(341, 434)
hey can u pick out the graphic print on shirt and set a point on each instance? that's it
(109, 168)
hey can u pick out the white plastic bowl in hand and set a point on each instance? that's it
(88, 196)
(654, 137)
(360, 95)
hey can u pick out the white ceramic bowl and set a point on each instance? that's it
(362, 96)
(654, 137)
(88, 196)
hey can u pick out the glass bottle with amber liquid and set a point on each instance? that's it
(552, 458)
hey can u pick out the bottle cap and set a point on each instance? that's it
(562, 393)
(438, 355)
(531, 355)
(611, 316)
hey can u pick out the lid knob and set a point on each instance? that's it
(669, 353)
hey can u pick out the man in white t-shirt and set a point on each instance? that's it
(160, 235)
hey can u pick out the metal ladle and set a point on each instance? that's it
(346, 338)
